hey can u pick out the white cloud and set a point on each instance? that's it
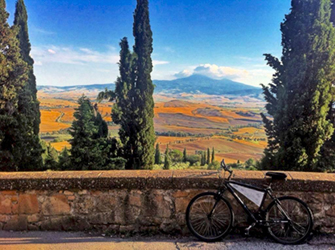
(51, 51)
(220, 72)
(67, 55)
(157, 62)
(251, 74)
(57, 65)
(183, 73)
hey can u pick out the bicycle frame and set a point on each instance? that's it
(267, 192)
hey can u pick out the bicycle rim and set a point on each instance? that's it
(209, 217)
(290, 221)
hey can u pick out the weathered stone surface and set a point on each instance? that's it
(28, 204)
(34, 218)
(56, 205)
(181, 205)
(331, 211)
(84, 205)
(16, 223)
(5, 205)
(131, 201)
(68, 192)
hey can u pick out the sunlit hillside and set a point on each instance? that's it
(195, 122)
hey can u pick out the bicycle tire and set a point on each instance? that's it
(212, 228)
(296, 209)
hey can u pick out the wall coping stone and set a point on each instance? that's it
(158, 179)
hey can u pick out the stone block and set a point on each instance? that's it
(68, 192)
(71, 198)
(34, 218)
(56, 205)
(181, 205)
(28, 204)
(5, 205)
(16, 223)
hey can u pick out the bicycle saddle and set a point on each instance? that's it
(276, 175)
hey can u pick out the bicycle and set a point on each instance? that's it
(210, 216)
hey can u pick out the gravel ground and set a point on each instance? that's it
(82, 241)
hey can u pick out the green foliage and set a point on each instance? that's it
(64, 162)
(176, 155)
(193, 159)
(158, 159)
(184, 155)
(213, 155)
(49, 156)
(134, 105)
(167, 161)
(142, 93)
(215, 165)
(299, 97)
(250, 163)
(12, 79)
(208, 156)
(28, 105)
(91, 149)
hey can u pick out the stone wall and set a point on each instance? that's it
(137, 201)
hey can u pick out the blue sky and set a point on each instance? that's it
(77, 42)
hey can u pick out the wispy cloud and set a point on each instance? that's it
(42, 31)
(67, 55)
(158, 62)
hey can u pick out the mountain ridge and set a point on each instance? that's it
(193, 84)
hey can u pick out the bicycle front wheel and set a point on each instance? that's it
(289, 219)
(209, 216)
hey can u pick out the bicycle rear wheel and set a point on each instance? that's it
(209, 216)
(290, 221)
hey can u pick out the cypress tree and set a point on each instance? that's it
(28, 105)
(184, 155)
(213, 155)
(208, 156)
(12, 78)
(143, 88)
(158, 155)
(167, 160)
(298, 99)
(124, 106)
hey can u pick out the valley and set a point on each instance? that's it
(195, 121)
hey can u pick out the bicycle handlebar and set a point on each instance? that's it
(226, 168)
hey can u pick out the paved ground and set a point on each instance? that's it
(81, 241)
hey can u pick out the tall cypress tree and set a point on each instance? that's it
(28, 105)
(184, 155)
(298, 99)
(167, 160)
(213, 155)
(143, 88)
(12, 78)
(208, 156)
(158, 155)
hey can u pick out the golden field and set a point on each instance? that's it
(234, 132)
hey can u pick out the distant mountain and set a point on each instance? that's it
(192, 84)
(81, 88)
(206, 85)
